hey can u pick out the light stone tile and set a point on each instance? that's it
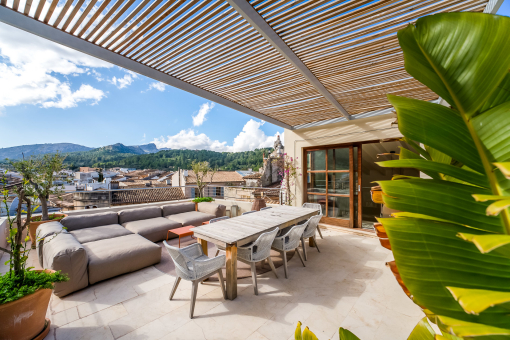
(188, 331)
(256, 336)
(395, 325)
(154, 283)
(72, 300)
(94, 326)
(153, 330)
(106, 301)
(64, 317)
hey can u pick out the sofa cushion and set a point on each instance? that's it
(120, 255)
(153, 229)
(89, 221)
(217, 210)
(65, 253)
(172, 209)
(191, 218)
(99, 233)
(47, 230)
(129, 215)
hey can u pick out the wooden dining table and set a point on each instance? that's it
(237, 231)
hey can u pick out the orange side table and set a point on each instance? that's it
(181, 232)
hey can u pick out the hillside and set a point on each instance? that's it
(17, 152)
(166, 159)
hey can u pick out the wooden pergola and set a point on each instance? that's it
(292, 63)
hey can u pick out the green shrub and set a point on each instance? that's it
(203, 199)
(15, 287)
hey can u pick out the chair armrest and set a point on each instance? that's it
(205, 267)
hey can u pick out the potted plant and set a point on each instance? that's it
(200, 200)
(40, 173)
(24, 293)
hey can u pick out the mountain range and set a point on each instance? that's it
(17, 152)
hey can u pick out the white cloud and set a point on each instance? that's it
(125, 81)
(205, 108)
(30, 67)
(250, 138)
(156, 86)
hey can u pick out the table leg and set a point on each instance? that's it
(203, 243)
(179, 241)
(231, 272)
(311, 242)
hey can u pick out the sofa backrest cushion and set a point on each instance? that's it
(90, 221)
(172, 209)
(217, 210)
(138, 214)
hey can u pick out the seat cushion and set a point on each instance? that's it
(191, 218)
(217, 210)
(153, 229)
(177, 208)
(129, 215)
(99, 233)
(115, 256)
(89, 221)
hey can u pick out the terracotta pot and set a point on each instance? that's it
(34, 225)
(25, 318)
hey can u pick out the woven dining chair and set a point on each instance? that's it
(318, 207)
(258, 251)
(191, 264)
(311, 228)
(289, 240)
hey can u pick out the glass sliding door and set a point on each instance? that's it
(331, 181)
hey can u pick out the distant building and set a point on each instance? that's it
(188, 179)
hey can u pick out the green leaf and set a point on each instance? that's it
(486, 243)
(494, 138)
(430, 257)
(485, 198)
(422, 331)
(446, 169)
(438, 156)
(346, 334)
(475, 301)
(495, 208)
(469, 330)
(297, 332)
(499, 96)
(459, 56)
(504, 168)
(440, 199)
(408, 214)
(308, 335)
(437, 126)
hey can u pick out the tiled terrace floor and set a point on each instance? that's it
(346, 285)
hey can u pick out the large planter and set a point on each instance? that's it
(35, 224)
(25, 318)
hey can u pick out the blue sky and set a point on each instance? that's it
(51, 94)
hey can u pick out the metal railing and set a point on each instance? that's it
(107, 198)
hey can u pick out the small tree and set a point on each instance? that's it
(202, 170)
(40, 173)
(100, 179)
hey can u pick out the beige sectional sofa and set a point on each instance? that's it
(95, 247)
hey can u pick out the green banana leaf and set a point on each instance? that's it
(469, 330)
(430, 257)
(435, 53)
(475, 301)
(440, 199)
(346, 334)
(486, 243)
(437, 126)
(445, 169)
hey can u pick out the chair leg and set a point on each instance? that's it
(300, 257)
(254, 277)
(217, 252)
(304, 248)
(220, 274)
(271, 264)
(194, 290)
(285, 263)
(320, 233)
(174, 288)
(316, 245)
